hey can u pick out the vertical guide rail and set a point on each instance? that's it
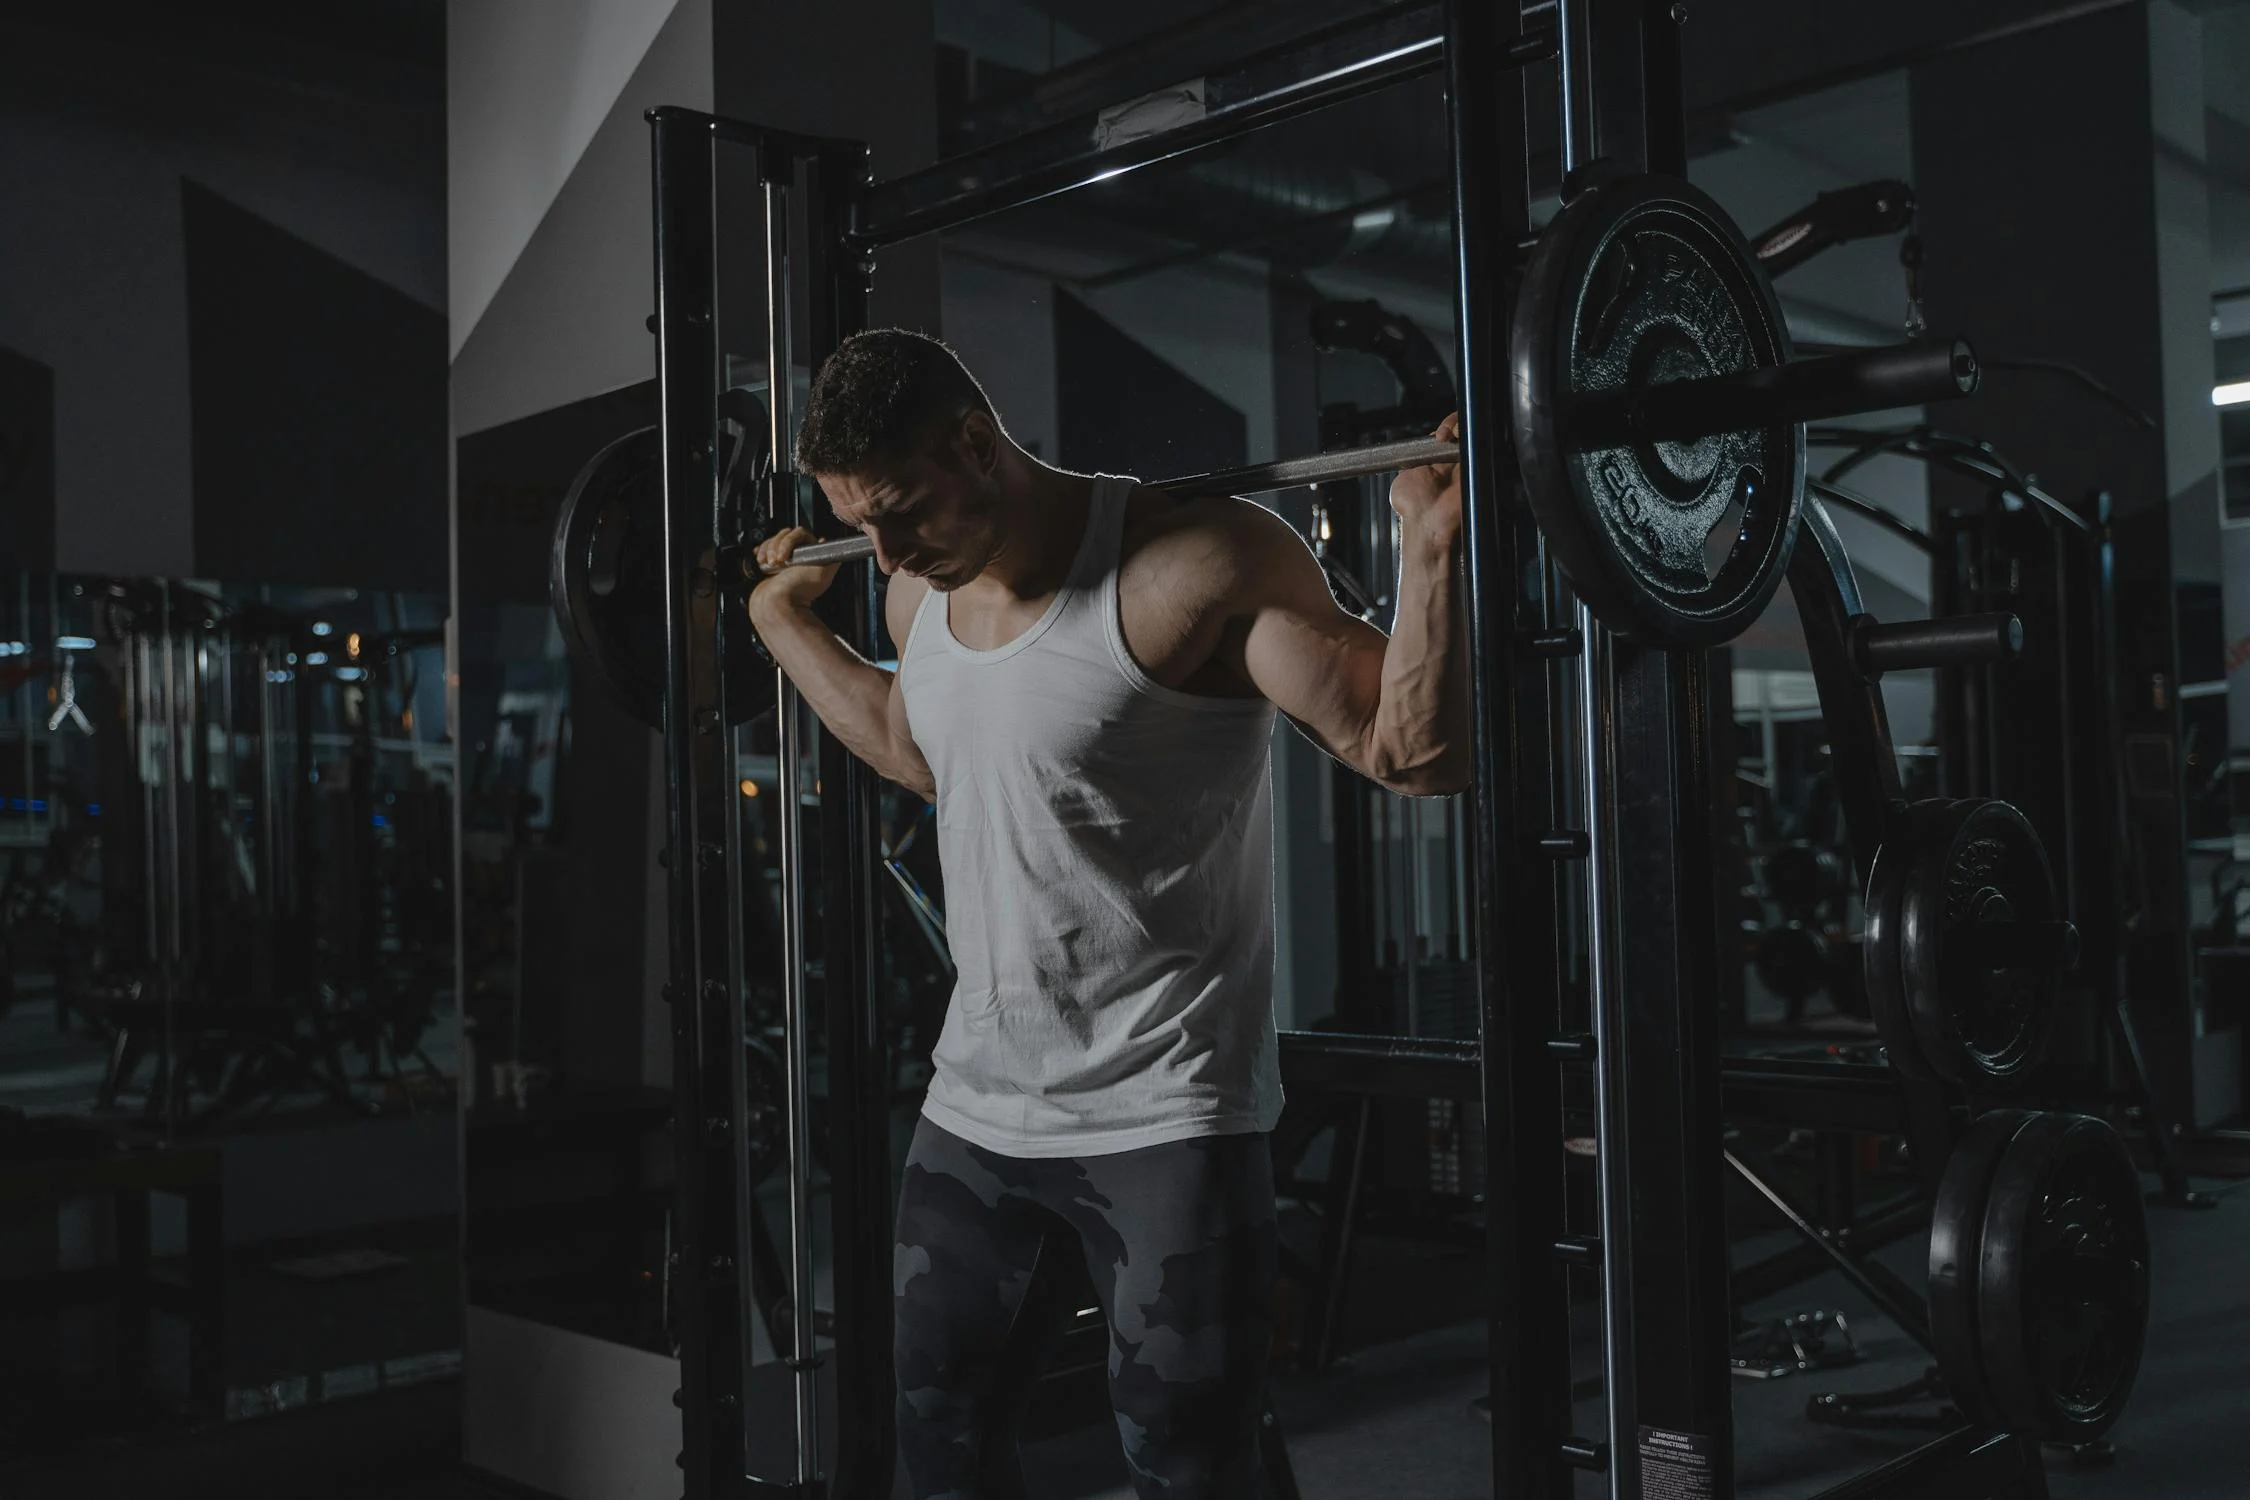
(1597, 746)
(859, 1074)
(774, 170)
(174, 939)
(1596, 706)
(1516, 982)
(699, 796)
(1664, 1232)
(26, 712)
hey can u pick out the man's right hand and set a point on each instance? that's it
(788, 588)
(859, 702)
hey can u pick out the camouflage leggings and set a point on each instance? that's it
(1180, 1241)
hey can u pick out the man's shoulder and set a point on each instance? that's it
(1218, 542)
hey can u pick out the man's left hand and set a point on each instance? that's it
(1428, 499)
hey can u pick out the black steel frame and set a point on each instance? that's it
(713, 1237)
(1661, 1247)
(1329, 66)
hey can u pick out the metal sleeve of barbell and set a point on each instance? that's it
(1320, 468)
(1955, 641)
(1797, 390)
(1250, 479)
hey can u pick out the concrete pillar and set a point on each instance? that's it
(2226, 94)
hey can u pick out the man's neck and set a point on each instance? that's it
(1043, 516)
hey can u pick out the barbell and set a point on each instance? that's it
(1250, 479)
(1656, 418)
(1905, 374)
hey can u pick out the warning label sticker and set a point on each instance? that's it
(1677, 1465)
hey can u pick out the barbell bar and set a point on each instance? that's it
(1916, 373)
(1802, 390)
(1250, 479)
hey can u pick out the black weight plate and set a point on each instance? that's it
(2062, 1290)
(1976, 1023)
(1641, 281)
(1885, 983)
(1956, 1239)
(606, 582)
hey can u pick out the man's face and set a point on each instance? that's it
(934, 514)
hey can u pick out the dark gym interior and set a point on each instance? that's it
(465, 1016)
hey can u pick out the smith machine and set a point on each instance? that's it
(1633, 444)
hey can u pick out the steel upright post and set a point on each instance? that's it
(699, 799)
(1652, 925)
(1518, 1003)
(859, 1071)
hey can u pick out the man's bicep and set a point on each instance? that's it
(902, 601)
(1318, 665)
(912, 769)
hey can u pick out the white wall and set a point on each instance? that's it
(567, 319)
(528, 85)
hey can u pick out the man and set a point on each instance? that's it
(1088, 673)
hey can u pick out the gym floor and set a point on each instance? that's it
(1396, 1417)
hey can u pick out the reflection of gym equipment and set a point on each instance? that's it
(50, 898)
(42, 922)
(271, 904)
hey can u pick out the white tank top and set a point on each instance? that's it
(1107, 845)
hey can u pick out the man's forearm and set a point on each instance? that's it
(1420, 739)
(850, 694)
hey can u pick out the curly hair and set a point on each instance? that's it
(877, 395)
